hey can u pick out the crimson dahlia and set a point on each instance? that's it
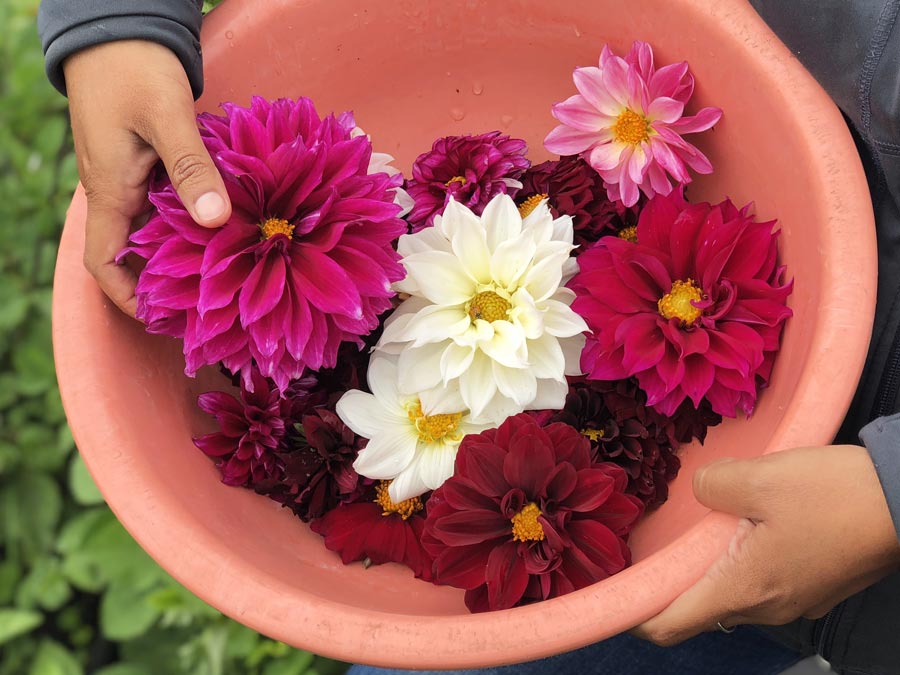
(528, 516)
(695, 308)
(305, 262)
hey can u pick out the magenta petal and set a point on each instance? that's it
(263, 288)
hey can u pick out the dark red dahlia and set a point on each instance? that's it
(378, 531)
(528, 516)
(251, 429)
(694, 309)
(573, 188)
(470, 169)
(316, 466)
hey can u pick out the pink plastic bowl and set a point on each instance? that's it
(413, 70)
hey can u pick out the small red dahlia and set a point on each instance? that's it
(528, 516)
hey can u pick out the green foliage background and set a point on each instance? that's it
(77, 595)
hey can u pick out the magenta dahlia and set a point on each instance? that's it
(377, 531)
(693, 310)
(251, 429)
(627, 120)
(304, 264)
(528, 516)
(470, 169)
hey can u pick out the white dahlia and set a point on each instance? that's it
(410, 443)
(487, 311)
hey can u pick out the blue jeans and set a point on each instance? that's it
(747, 651)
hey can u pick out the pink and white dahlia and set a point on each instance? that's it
(304, 264)
(471, 170)
(627, 121)
(694, 309)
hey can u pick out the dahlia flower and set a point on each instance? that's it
(694, 309)
(627, 121)
(251, 429)
(412, 439)
(377, 531)
(382, 162)
(572, 188)
(315, 461)
(487, 312)
(469, 169)
(527, 516)
(305, 262)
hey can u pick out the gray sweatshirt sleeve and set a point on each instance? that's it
(67, 26)
(882, 440)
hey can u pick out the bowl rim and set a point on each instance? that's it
(525, 633)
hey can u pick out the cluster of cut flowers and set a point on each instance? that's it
(483, 371)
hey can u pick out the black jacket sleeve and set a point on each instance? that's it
(852, 47)
(67, 26)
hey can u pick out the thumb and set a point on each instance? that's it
(191, 170)
(733, 486)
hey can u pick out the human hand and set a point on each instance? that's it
(131, 105)
(815, 529)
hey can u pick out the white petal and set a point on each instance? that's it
(545, 275)
(396, 323)
(420, 367)
(519, 384)
(404, 201)
(455, 217)
(502, 221)
(428, 239)
(365, 414)
(569, 270)
(455, 360)
(382, 379)
(560, 320)
(507, 346)
(436, 464)
(477, 384)
(497, 410)
(563, 229)
(526, 314)
(442, 400)
(380, 162)
(511, 260)
(435, 323)
(539, 223)
(440, 277)
(572, 348)
(469, 242)
(408, 483)
(551, 395)
(547, 358)
(386, 455)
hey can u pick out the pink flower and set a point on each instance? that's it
(304, 264)
(694, 309)
(471, 169)
(627, 121)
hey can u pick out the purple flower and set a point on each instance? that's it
(304, 264)
(471, 169)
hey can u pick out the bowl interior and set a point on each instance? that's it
(412, 71)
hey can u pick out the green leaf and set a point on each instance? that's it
(294, 664)
(44, 586)
(30, 507)
(16, 622)
(81, 484)
(125, 613)
(53, 659)
(10, 573)
(124, 669)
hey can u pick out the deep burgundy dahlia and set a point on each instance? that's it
(694, 309)
(573, 188)
(471, 169)
(528, 516)
(305, 262)
(315, 462)
(378, 531)
(251, 429)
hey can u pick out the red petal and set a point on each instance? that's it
(506, 577)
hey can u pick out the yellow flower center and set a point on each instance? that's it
(678, 303)
(405, 508)
(433, 428)
(631, 128)
(530, 204)
(456, 179)
(593, 434)
(489, 306)
(274, 226)
(629, 234)
(525, 524)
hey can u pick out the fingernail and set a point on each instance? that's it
(209, 206)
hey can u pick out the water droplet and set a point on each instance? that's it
(577, 31)
(458, 114)
(229, 34)
(506, 120)
(477, 88)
